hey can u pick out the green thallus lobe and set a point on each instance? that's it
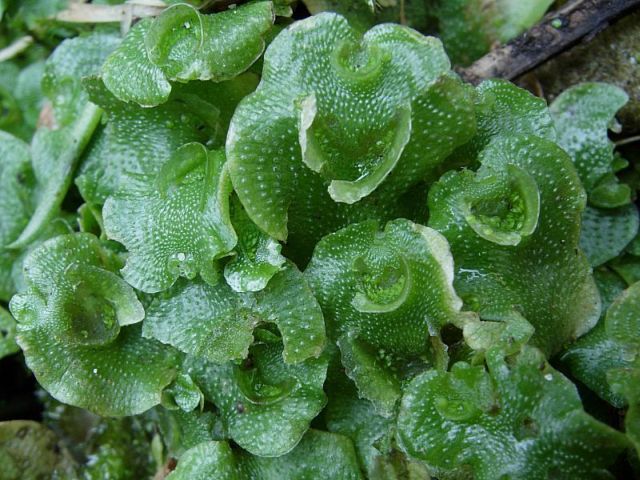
(436, 229)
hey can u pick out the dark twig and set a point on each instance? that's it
(626, 141)
(556, 32)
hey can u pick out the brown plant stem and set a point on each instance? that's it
(556, 32)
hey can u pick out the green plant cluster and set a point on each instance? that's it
(238, 246)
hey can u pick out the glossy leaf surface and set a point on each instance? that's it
(266, 404)
(75, 329)
(385, 296)
(515, 220)
(176, 225)
(520, 419)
